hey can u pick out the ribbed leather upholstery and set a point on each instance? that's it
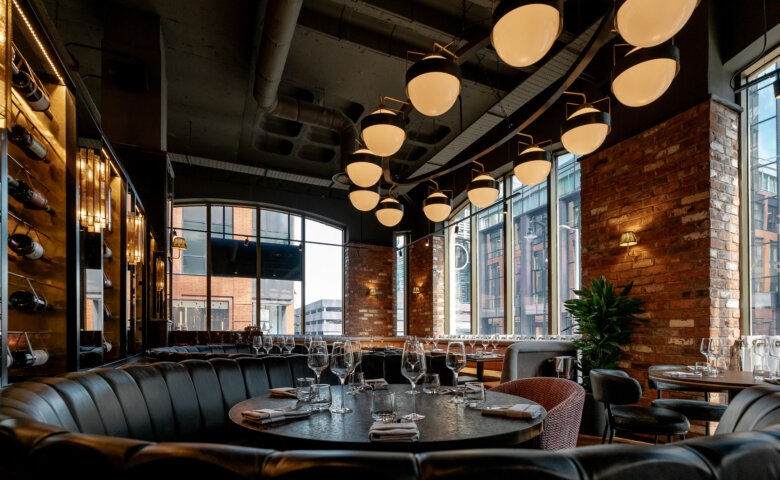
(48, 429)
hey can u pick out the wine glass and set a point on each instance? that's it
(317, 358)
(485, 343)
(357, 357)
(472, 341)
(413, 367)
(289, 344)
(456, 361)
(268, 343)
(494, 342)
(428, 341)
(774, 352)
(342, 363)
(257, 344)
(759, 350)
(704, 349)
(307, 342)
(436, 342)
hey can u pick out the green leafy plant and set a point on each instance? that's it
(606, 320)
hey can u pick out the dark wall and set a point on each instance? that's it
(197, 183)
(149, 173)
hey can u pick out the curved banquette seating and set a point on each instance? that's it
(155, 421)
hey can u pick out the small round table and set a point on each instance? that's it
(731, 382)
(446, 426)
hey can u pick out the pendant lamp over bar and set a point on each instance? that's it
(644, 74)
(364, 199)
(525, 30)
(586, 129)
(483, 189)
(390, 211)
(433, 83)
(437, 206)
(647, 23)
(364, 168)
(533, 164)
(383, 130)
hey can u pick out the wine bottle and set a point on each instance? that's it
(25, 140)
(25, 246)
(30, 197)
(27, 87)
(26, 301)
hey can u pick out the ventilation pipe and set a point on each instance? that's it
(281, 17)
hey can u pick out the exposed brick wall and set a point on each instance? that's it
(426, 271)
(367, 315)
(675, 185)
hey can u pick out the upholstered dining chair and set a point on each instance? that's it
(563, 400)
(618, 391)
(702, 410)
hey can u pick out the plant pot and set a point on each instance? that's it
(593, 417)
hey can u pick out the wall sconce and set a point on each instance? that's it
(178, 243)
(160, 274)
(628, 240)
(416, 290)
(135, 238)
(372, 291)
(93, 188)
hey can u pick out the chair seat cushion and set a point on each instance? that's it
(693, 409)
(650, 420)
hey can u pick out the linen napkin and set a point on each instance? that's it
(287, 392)
(377, 384)
(772, 381)
(520, 410)
(677, 373)
(394, 432)
(264, 416)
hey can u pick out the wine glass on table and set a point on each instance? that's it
(704, 349)
(472, 341)
(342, 363)
(268, 343)
(257, 344)
(413, 367)
(494, 342)
(774, 352)
(428, 341)
(485, 343)
(357, 357)
(456, 361)
(289, 344)
(436, 342)
(760, 351)
(317, 359)
(307, 342)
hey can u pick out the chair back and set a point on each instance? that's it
(752, 409)
(614, 387)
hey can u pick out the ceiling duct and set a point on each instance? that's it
(281, 17)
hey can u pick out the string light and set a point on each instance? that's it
(39, 42)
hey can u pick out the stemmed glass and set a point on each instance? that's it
(472, 341)
(704, 349)
(428, 341)
(357, 357)
(307, 342)
(413, 367)
(268, 344)
(494, 342)
(759, 350)
(257, 344)
(456, 361)
(317, 358)
(485, 343)
(341, 364)
(716, 350)
(289, 344)
(774, 352)
(436, 342)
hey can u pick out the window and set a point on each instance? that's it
(490, 270)
(228, 298)
(459, 270)
(400, 284)
(568, 234)
(762, 152)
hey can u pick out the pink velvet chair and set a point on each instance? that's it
(563, 400)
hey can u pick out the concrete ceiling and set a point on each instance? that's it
(345, 54)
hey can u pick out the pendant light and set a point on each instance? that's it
(586, 129)
(533, 164)
(647, 23)
(390, 211)
(524, 30)
(644, 74)
(433, 83)
(483, 189)
(364, 199)
(364, 168)
(438, 205)
(383, 130)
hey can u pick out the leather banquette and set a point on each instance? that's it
(165, 419)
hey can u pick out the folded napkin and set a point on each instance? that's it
(520, 410)
(394, 432)
(269, 415)
(773, 381)
(284, 392)
(377, 384)
(676, 373)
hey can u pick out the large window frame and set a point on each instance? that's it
(555, 314)
(210, 231)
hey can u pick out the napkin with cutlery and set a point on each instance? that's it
(519, 410)
(394, 432)
(264, 416)
(772, 381)
(377, 384)
(287, 392)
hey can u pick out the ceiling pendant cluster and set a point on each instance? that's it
(523, 32)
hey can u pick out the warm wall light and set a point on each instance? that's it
(135, 238)
(160, 275)
(178, 243)
(416, 290)
(372, 291)
(93, 188)
(628, 240)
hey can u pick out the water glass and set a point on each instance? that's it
(475, 394)
(303, 392)
(703, 368)
(320, 397)
(431, 383)
(357, 383)
(383, 406)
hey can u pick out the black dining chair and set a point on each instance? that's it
(702, 410)
(618, 392)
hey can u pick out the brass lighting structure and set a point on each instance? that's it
(93, 190)
(533, 164)
(647, 23)
(585, 130)
(525, 30)
(433, 83)
(483, 189)
(135, 237)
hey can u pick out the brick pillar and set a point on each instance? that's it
(675, 186)
(426, 272)
(371, 266)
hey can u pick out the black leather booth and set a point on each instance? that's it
(152, 421)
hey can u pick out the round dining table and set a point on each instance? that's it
(731, 382)
(446, 426)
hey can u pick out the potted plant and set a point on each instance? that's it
(606, 319)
